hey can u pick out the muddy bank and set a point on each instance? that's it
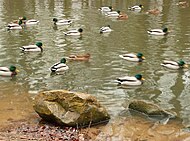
(118, 129)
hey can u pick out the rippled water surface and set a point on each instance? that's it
(168, 88)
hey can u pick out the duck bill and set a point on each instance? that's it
(143, 58)
(142, 79)
(17, 71)
(185, 66)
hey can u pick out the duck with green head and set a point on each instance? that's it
(62, 22)
(60, 66)
(131, 80)
(139, 57)
(174, 64)
(33, 48)
(74, 32)
(8, 71)
(15, 26)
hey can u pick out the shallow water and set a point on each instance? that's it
(167, 88)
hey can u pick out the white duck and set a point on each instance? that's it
(133, 57)
(131, 80)
(105, 8)
(14, 26)
(11, 71)
(136, 7)
(105, 29)
(174, 65)
(159, 32)
(74, 32)
(62, 22)
(60, 66)
(33, 48)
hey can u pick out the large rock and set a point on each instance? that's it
(69, 108)
(150, 109)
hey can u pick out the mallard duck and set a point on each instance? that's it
(159, 32)
(61, 22)
(136, 7)
(31, 22)
(174, 64)
(74, 32)
(14, 26)
(11, 71)
(131, 80)
(60, 66)
(153, 11)
(105, 29)
(122, 16)
(133, 57)
(113, 13)
(32, 48)
(105, 8)
(183, 4)
(84, 57)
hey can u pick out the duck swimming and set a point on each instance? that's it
(28, 22)
(74, 32)
(136, 7)
(105, 8)
(105, 29)
(84, 57)
(62, 22)
(14, 26)
(113, 13)
(133, 57)
(131, 80)
(174, 65)
(11, 71)
(159, 32)
(33, 48)
(60, 66)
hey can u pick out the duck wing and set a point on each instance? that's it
(170, 62)
(127, 78)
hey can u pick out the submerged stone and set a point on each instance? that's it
(69, 108)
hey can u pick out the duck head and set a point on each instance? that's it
(63, 60)
(39, 44)
(80, 30)
(141, 6)
(140, 55)
(165, 30)
(20, 22)
(182, 64)
(55, 20)
(139, 77)
(13, 69)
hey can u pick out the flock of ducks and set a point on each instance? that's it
(61, 65)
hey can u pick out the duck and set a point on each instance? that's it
(105, 29)
(159, 32)
(74, 32)
(15, 26)
(183, 4)
(133, 57)
(28, 22)
(105, 8)
(8, 71)
(61, 22)
(33, 48)
(153, 11)
(60, 66)
(174, 64)
(131, 80)
(84, 57)
(113, 13)
(122, 16)
(136, 7)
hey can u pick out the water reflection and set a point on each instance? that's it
(167, 88)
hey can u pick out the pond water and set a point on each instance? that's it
(168, 88)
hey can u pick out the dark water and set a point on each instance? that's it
(167, 88)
